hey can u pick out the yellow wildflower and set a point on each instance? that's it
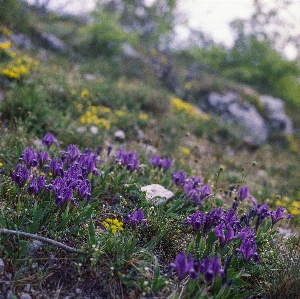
(5, 31)
(143, 116)
(113, 224)
(185, 151)
(5, 46)
(120, 112)
(1, 164)
(84, 93)
(179, 106)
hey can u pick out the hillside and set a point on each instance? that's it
(96, 97)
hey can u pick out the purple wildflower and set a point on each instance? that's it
(62, 192)
(56, 168)
(84, 190)
(184, 266)
(42, 158)
(178, 177)
(165, 164)
(29, 157)
(136, 218)
(197, 220)
(248, 250)
(20, 175)
(278, 215)
(209, 268)
(225, 237)
(130, 159)
(243, 193)
(71, 154)
(213, 218)
(49, 139)
(36, 185)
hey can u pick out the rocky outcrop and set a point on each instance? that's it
(231, 109)
(234, 109)
(52, 42)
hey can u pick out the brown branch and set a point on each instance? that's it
(43, 239)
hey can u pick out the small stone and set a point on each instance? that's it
(34, 247)
(1, 267)
(9, 294)
(78, 291)
(120, 135)
(27, 288)
(25, 296)
(94, 130)
(157, 193)
(89, 77)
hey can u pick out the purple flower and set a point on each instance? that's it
(196, 219)
(71, 154)
(248, 250)
(88, 164)
(62, 191)
(56, 168)
(49, 139)
(136, 218)
(155, 161)
(225, 237)
(36, 185)
(183, 266)
(213, 218)
(204, 192)
(244, 193)
(278, 215)
(42, 158)
(29, 157)
(130, 159)
(84, 190)
(20, 175)
(209, 268)
(165, 164)
(178, 177)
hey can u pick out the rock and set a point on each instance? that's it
(1, 267)
(25, 296)
(149, 149)
(129, 51)
(139, 133)
(232, 109)
(120, 135)
(34, 247)
(89, 77)
(9, 294)
(52, 42)
(94, 130)
(278, 121)
(157, 193)
(27, 288)
(21, 40)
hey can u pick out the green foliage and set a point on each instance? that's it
(105, 35)
(14, 14)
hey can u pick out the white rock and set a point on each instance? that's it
(120, 135)
(94, 130)
(157, 192)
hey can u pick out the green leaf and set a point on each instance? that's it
(92, 236)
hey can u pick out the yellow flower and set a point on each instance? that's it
(1, 164)
(113, 224)
(120, 112)
(185, 151)
(143, 116)
(179, 106)
(6, 45)
(5, 31)
(84, 93)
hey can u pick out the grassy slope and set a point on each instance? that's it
(47, 100)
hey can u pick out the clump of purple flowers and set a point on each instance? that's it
(130, 159)
(136, 218)
(187, 266)
(158, 162)
(49, 139)
(193, 187)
